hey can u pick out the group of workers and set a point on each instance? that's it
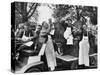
(42, 36)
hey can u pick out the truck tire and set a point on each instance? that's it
(33, 69)
(74, 65)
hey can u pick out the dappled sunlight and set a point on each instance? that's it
(45, 13)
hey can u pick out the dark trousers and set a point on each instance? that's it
(76, 48)
(67, 49)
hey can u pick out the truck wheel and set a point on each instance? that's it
(32, 70)
(74, 65)
(93, 61)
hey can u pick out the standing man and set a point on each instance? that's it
(77, 34)
(84, 48)
(47, 49)
(68, 36)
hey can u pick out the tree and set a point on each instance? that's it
(65, 11)
(24, 11)
(60, 11)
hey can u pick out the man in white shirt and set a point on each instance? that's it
(68, 36)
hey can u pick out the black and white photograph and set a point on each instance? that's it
(48, 37)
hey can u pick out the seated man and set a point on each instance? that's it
(28, 44)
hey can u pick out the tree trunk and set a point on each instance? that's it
(78, 14)
(24, 12)
(21, 8)
(24, 18)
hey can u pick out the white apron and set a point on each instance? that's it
(84, 51)
(50, 54)
(42, 50)
(48, 49)
(68, 36)
(25, 38)
(52, 30)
